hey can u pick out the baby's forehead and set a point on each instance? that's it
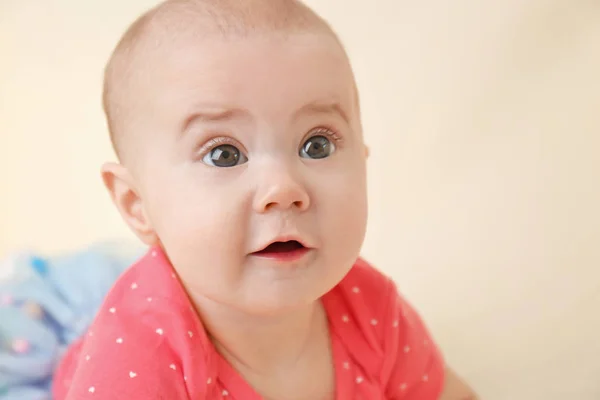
(212, 67)
(180, 30)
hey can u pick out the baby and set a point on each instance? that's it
(242, 167)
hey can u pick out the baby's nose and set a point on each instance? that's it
(281, 190)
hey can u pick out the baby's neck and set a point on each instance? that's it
(263, 345)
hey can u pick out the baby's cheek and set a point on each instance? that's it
(345, 219)
(200, 225)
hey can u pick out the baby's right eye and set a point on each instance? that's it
(224, 156)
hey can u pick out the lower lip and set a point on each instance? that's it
(284, 256)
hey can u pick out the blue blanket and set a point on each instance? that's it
(44, 306)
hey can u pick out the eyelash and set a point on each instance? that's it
(221, 140)
(216, 142)
(327, 132)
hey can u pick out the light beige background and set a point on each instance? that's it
(484, 123)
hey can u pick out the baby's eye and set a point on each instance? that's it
(317, 147)
(224, 156)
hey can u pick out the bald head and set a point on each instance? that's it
(174, 21)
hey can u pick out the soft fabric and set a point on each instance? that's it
(45, 305)
(147, 342)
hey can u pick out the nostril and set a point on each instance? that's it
(270, 205)
(282, 197)
(297, 204)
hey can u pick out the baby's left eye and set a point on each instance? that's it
(317, 147)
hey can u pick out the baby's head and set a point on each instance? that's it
(237, 125)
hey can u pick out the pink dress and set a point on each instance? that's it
(148, 343)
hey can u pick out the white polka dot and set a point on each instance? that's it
(112, 310)
(149, 299)
(154, 253)
(346, 365)
(185, 378)
(120, 340)
(190, 334)
(345, 318)
(359, 379)
(173, 275)
(425, 378)
(356, 289)
(374, 322)
(87, 358)
(406, 349)
(159, 331)
(90, 334)
(132, 374)
(92, 389)
(173, 367)
(396, 324)
(225, 393)
(209, 381)
(134, 286)
(403, 387)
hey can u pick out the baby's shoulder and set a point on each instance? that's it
(147, 304)
(385, 335)
(134, 345)
(361, 306)
(373, 301)
(366, 287)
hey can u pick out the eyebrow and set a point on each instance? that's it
(212, 115)
(324, 108)
(227, 114)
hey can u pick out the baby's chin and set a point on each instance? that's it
(269, 294)
(275, 296)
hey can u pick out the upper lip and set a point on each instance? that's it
(284, 238)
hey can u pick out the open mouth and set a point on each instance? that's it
(290, 246)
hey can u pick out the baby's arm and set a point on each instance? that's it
(455, 388)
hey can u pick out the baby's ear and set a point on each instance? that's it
(122, 190)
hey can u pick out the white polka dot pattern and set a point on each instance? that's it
(409, 358)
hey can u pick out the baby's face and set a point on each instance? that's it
(248, 142)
